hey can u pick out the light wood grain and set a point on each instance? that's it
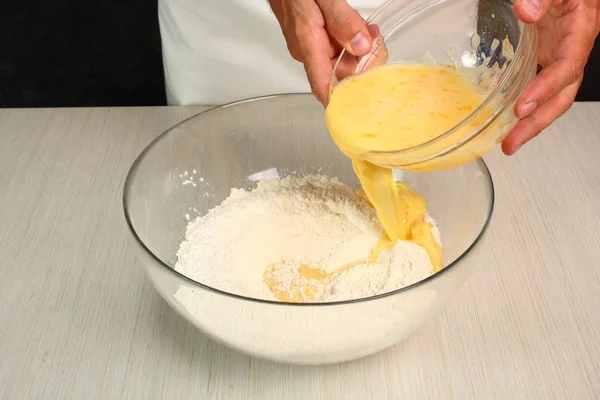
(79, 320)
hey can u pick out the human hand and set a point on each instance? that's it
(566, 33)
(317, 30)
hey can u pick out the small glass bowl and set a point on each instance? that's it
(483, 39)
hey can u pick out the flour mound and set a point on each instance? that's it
(405, 264)
(284, 225)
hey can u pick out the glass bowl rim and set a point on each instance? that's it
(527, 30)
(140, 158)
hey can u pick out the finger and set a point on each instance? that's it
(374, 31)
(277, 7)
(335, 48)
(531, 126)
(346, 26)
(547, 84)
(317, 63)
(346, 67)
(566, 70)
(278, 11)
(530, 11)
(379, 53)
(294, 37)
(332, 49)
(294, 49)
(349, 65)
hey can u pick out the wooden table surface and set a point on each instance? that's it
(79, 319)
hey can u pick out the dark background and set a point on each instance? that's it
(58, 53)
(62, 53)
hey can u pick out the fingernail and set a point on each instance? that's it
(527, 109)
(533, 7)
(360, 44)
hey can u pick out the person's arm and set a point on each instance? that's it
(316, 30)
(566, 31)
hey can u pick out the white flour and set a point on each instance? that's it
(285, 224)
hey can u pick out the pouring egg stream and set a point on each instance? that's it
(395, 107)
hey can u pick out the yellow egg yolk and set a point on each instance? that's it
(397, 107)
(386, 109)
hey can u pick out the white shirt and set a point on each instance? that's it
(218, 51)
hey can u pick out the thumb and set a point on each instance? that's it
(530, 11)
(346, 26)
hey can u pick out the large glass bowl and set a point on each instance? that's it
(227, 144)
(481, 38)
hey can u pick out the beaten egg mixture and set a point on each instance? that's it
(395, 107)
